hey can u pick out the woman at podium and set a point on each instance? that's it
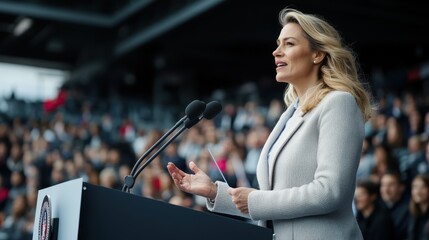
(307, 169)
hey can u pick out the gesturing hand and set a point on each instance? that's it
(198, 183)
(239, 197)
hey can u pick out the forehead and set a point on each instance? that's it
(388, 179)
(291, 30)
(418, 182)
(360, 191)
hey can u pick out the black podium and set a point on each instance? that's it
(85, 211)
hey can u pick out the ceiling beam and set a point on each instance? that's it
(130, 9)
(148, 33)
(72, 16)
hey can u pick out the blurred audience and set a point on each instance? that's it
(100, 146)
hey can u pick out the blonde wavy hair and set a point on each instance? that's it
(339, 69)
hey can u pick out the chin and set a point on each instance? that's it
(282, 80)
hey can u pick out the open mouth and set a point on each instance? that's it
(280, 65)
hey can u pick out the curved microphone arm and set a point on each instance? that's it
(209, 112)
(157, 143)
(142, 157)
(158, 152)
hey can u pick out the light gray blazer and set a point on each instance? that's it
(310, 193)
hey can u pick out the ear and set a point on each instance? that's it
(318, 57)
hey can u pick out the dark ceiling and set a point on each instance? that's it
(207, 44)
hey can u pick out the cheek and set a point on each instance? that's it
(360, 200)
(425, 194)
(417, 193)
(390, 189)
(294, 54)
(298, 54)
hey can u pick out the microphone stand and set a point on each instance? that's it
(130, 179)
(168, 133)
(210, 111)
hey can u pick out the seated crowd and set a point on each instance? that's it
(392, 194)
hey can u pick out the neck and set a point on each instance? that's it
(300, 91)
(302, 86)
(367, 212)
(391, 202)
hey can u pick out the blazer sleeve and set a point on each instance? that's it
(223, 202)
(341, 133)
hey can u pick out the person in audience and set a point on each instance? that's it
(415, 160)
(374, 221)
(395, 139)
(109, 178)
(384, 162)
(15, 223)
(419, 207)
(18, 188)
(367, 161)
(415, 123)
(393, 197)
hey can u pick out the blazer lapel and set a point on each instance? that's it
(293, 126)
(263, 178)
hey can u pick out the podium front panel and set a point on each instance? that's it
(112, 214)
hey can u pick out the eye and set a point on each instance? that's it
(289, 44)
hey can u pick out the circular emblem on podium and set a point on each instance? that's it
(45, 219)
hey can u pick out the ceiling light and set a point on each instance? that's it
(22, 26)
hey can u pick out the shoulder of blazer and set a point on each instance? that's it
(337, 98)
(337, 95)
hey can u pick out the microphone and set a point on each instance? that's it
(211, 110)
(193, 111)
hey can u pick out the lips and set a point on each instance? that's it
(280, 64)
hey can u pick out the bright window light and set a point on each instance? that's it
(30, 83)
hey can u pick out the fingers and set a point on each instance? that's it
(173, 169)
(176, 174)
(170, 169)
(239, 198)
(235, 192)
(176, 179)
(194, 168)
(235, 196)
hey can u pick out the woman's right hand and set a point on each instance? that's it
(198, 183)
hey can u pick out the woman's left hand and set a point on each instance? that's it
(239, 198)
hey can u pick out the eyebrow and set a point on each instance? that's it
(286, 38)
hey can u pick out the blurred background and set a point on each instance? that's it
(88, 85)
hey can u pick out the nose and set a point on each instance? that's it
(277, 52)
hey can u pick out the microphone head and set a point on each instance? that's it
(213, 108)
(191, 122)
(195, 109)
